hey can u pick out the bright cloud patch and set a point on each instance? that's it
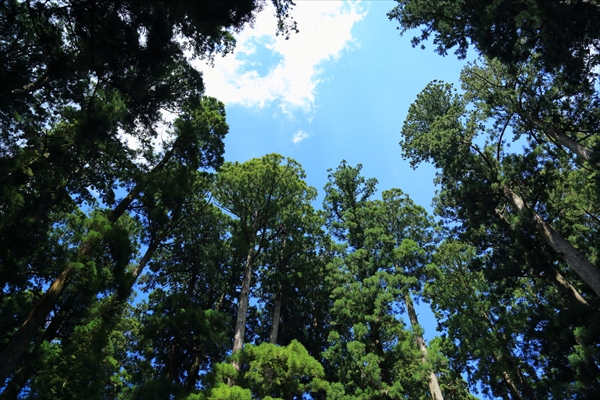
(265, 68)
(299, 136)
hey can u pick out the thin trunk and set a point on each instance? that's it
(434, 386)
(276, 315)
(508, 381)
(19, 380)
(14, 350)
(173, 361)
(220, 302)
(279, 294)
(571, 291)
(14, 387)
(582, 266)
(558, 278)
(139, 268)
(240, 323)
(192, 377)
(178, 351)
(33, 86)
(377, 346)
(511, 363)
(21, 377)
(564, 140)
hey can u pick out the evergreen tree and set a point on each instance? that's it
(516, 209)
(267, 196)
(370, 352)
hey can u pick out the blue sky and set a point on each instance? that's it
(339, 89)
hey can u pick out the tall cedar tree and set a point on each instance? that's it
(267, 196)
(517, 209)
(370, 353)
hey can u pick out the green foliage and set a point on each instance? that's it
(370, 353)
(80, 114)
(564, 34)
(513, 277)
(268, 371)
(262, 193)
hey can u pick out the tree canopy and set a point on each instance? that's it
(563, 34)
(137, 263)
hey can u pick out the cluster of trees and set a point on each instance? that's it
(246, 289)
(527, 214)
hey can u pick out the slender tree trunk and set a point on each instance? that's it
(585, 269)
(33, 86)
(377, 347)
(139, 268)
(564, 140)
(508, 382)
(22, 376)
(178, 350)
(556, 276)
(173, 360)
(434, 386)
(511, 363)
(240, 323)
(276, 315)
(14, 387)
(192, 377)
(571, 291)
(14, 350)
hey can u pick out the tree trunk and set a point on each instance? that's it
(508, 382)
(276, 315)
(240, 323)
(571, 291)
(12, 353)
(585, 269)
(192, 376)
(50, 333)
(558, 278)
(173, 362)
(14, 350)
(19, 380)
(434, 386)
(511, 363)
(564, 140)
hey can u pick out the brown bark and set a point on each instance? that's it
(33, 86)
(240, 323)
(508, 382)
(580, 264)
(434, 386)
(571, 291)
(192, 377)
(558, 278)
(276, 315)
(139, 268)
(172, 363)
(14, 387)
(509, 360)
(176, 355)
(14, 350)
(564, 140)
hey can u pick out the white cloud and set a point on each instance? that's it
(325, 32)
(300, 136)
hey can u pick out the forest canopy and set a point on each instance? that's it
(137, 263)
